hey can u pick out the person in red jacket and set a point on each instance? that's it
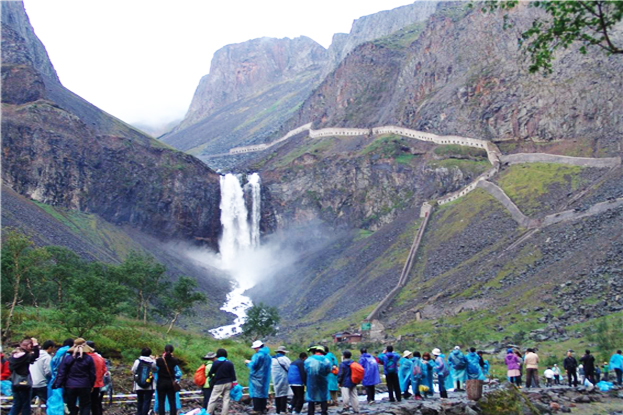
(100, 371)
(5, 372)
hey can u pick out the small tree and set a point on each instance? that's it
(261, 321)
(589, 23)
(92, 300)
(63, 266)
(145, 276)
(181, 300)
(20, 262)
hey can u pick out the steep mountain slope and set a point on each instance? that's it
(61, 150)
(378, 25)
(252, 87)
(464, 75)
(92, 238)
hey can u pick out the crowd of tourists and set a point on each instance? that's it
(586, 369)
(74, 376)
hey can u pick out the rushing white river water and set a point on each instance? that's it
(240, 238)
(238, 304)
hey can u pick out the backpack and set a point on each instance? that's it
(200, 376)
(390, 364)
(459, 363)
(144, 376)
(356, 373)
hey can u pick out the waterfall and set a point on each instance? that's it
(235, 237)
(254, 183)
(238, 241)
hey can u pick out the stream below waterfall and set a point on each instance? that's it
(239, 240)
(238, 304)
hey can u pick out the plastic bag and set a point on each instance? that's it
(589, 385)
(235, 393)
(604, 386)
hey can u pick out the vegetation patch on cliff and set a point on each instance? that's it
(526, 184)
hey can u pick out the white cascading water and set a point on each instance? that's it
(237, 240)
(234, 217)
(254, 183)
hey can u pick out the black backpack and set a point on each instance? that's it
(144, 376)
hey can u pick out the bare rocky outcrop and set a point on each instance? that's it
(59, 149)
(377, 25)
(464, 75)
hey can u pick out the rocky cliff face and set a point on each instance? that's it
(378, 25)
(61, 150)
(464, 75)
(254, 87)
(245, 69)
(251, 89)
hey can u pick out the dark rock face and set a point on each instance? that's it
(61, 150)
(464, 75)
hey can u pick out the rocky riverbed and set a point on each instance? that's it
(497, 400)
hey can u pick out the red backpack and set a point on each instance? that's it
(356, 373)
(200, 376)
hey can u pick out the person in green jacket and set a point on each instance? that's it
(207, 389)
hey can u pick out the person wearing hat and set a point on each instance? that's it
(77, 375)
(442, 371)
(458, 367)
(259, 376)
(405, 365)
(206, 388)
(279, 370)
(317, 367)
(144, 393)
(100, 372)
(21, 381)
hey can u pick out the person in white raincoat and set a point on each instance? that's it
(279, 371)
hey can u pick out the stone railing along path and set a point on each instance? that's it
(495, 158)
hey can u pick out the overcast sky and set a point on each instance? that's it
(141, 60)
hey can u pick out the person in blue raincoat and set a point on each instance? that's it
(416, 375)
(333, 386)
(443, 373)
(616, 364)
(458, 367)
(55, 404)
(259, 375)
(371, 376)
(405, 364)
(317, 368)
(427, 373)
(474, 371)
